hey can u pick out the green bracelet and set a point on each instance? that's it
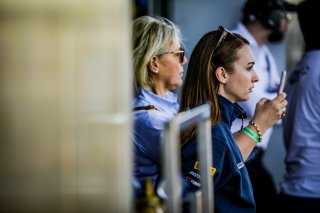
(251, 134)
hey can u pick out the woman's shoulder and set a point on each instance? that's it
(218, 128)
(220, 133)
(152, 118)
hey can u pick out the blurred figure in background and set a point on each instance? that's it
(300, 189)
(263, 21)
(158, 60)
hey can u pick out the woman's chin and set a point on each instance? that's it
(177, 85)
(244, 99)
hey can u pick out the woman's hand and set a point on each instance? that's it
(268, 112)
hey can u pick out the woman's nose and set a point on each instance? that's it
(255, 77)
(185, 60)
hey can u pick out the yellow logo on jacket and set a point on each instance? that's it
(197, 167)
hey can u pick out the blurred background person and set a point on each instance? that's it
(263, 22)
(300, 189)
(158, 60)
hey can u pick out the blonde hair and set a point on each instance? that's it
(150, 37)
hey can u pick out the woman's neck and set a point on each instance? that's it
(158, 90)
(224, 94)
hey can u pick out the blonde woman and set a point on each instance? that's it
(158, 60)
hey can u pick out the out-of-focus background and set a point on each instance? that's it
(65, 97)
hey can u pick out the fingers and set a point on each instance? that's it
(281, 97)
(284, 104)
(262, 102)
(275, 108)
(278, 101)
(283, 113)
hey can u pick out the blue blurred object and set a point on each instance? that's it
(137, 188)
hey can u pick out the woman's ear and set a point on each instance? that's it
(221, 75)
(153, 65)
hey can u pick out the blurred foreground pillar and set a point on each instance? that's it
(65, 91)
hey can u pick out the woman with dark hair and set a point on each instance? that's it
(221, 71)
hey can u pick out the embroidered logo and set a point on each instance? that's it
(240, 165)
(197, 167)
(193, 182)
(194, 174)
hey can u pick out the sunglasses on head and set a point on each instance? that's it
(179, 53)
(224, 34)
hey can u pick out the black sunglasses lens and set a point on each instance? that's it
(181, 55)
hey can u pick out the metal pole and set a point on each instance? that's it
(171, 156)
(205, 157)
(171, 167)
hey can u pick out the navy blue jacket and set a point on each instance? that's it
(232, 186)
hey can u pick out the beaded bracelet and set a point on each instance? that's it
(256, 127)
(251, 134)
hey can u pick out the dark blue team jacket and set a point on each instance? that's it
(232, 186)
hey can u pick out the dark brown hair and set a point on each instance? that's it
(201, 85)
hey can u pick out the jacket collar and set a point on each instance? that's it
(230, 111)
(167, 104)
